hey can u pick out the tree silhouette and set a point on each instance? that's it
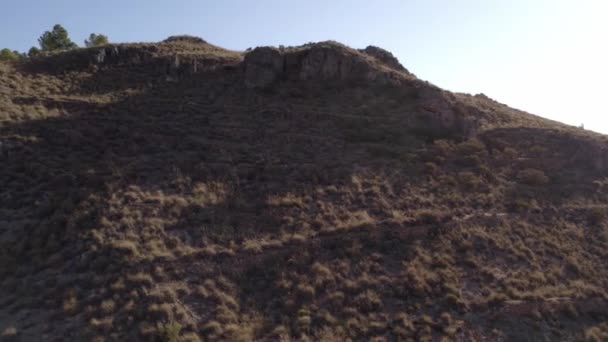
(56, 39)
(96, 40)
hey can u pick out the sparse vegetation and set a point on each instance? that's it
(96, 40)
(169, 332)
(597, 215)
(532, 177)
(56, 39)
(193, 208)
(8, 55)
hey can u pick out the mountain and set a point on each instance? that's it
(179, 191)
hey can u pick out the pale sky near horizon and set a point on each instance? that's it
(547, 57)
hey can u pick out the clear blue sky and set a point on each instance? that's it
(549, 57)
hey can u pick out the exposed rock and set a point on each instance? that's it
(99, 57)
(441, 115)
(323, 61)
(115, 54)
(385, 57)
(263, 66)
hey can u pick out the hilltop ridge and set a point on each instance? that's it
(181, 191)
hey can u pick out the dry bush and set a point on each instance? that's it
(597, 333)
(469, 181)
(597, 216)
(532, 177)
(185, 39)
(471, 147)
(169, 332)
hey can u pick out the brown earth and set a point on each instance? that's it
(181, 191)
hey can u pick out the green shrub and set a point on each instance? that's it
(8, 55)
(33, 52)
(55, 40)
(96, 40)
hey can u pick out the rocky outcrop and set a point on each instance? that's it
(151, 56)
(263, 66)
(441, 115)
(385, 57)
(322, 61)
(438, 113)
(116, 54)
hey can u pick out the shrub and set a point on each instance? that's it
(432, 168)
(429, 217)
(597, 215)
(185, 38)
(108, 306)
(70, 305)
(303, 321)
(56, 39)
(33, 52)
(471, 147)
(538, 150)
(469, 180)
(595, 334)
(8, 55)
(96, 40)
(523, 204)
(169, 332)
(442, 147)
(532, 177)
(510, 152)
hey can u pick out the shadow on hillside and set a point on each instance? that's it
(207, 128)
(60, 172)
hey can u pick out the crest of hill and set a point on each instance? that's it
(183, 56)
(328, 62)
(324, 61)
(186, 48)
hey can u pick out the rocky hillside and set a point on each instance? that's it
(178, 191)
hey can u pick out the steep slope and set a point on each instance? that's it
(315, 192)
